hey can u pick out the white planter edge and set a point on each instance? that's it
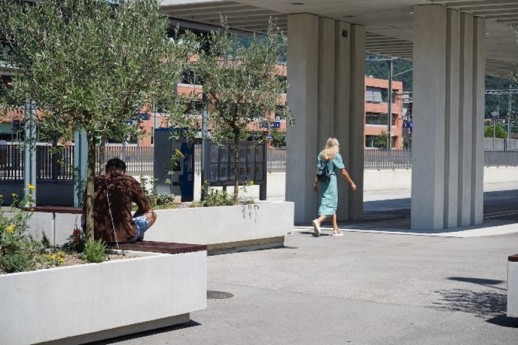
(91, 302)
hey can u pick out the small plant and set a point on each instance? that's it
(214, 197)
(95, 251)
(244, 198)
(56, 259)
(76, 241)
(18, 251)
(164, 200)
(157, 200)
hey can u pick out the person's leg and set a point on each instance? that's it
(141, 225)
(316, 225)
(336, 230)
(335, 224)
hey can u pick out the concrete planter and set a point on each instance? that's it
(512, 286)
(91, 302)
(222, 228)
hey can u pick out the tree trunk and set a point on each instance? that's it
(90, 189)
(236, 166)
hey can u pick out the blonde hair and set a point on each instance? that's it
(332, 148)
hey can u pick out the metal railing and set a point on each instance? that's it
(138, 159)
(387, 159)
(56, 163)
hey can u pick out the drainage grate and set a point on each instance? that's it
(218, 294)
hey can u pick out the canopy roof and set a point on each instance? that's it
(388, 23)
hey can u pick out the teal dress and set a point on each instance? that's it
(329, 190)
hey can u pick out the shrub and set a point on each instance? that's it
(95, 251)
(76, 241)
(214, 197)
(18, 251)
(157, 200)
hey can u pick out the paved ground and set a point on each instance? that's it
(380, 283)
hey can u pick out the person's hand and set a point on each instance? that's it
(315, 186)
(353, 186)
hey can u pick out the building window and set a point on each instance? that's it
(193, 108)
(371, 141)
(373, 95)
(376, 119)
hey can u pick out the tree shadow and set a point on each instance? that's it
(489, 304)
(482, 304)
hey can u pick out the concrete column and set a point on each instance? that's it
(326, 76)
(356, 121)
(326, 95)
(343, 108)
(447, 155)
(479, 104)
(302, 98)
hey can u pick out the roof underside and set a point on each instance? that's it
(388, 23)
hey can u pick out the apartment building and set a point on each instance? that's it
(377, 108)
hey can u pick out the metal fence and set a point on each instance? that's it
(138, 159)
(56, 163)
(275, 159)
(387, 159)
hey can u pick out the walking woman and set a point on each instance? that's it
(330, 158)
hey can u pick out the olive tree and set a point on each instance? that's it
(91, 65)
(240, 79)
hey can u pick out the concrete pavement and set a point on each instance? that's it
(380, 283)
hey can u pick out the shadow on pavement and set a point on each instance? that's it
(148, 333)
(479, 303)
(393, 215)
(504, 321)
(480, 281)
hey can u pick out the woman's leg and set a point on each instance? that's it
(336, 230)
(317, 223)
(335, 224)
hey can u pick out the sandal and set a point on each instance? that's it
(337, 233)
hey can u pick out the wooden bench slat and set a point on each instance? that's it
(163, 247)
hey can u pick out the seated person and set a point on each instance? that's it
(114, 194)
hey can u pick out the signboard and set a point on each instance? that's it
(274, 124)
(251, 163)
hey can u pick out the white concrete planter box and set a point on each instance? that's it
(260, 225)
(512, 286)
(91, 302)
(263, 224)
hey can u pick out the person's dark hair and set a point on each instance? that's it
(115, 165)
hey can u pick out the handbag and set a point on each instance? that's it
(323, 173)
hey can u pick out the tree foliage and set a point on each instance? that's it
(91, 66)
(241, 83)
(495, 131)
(381, 140)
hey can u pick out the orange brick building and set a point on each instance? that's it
(376, 110)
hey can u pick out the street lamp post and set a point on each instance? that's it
(508, 141)
(494, 114)
(389, 111)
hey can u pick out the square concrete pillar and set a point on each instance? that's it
(302, 98)
(326, 96)
(447, 153)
